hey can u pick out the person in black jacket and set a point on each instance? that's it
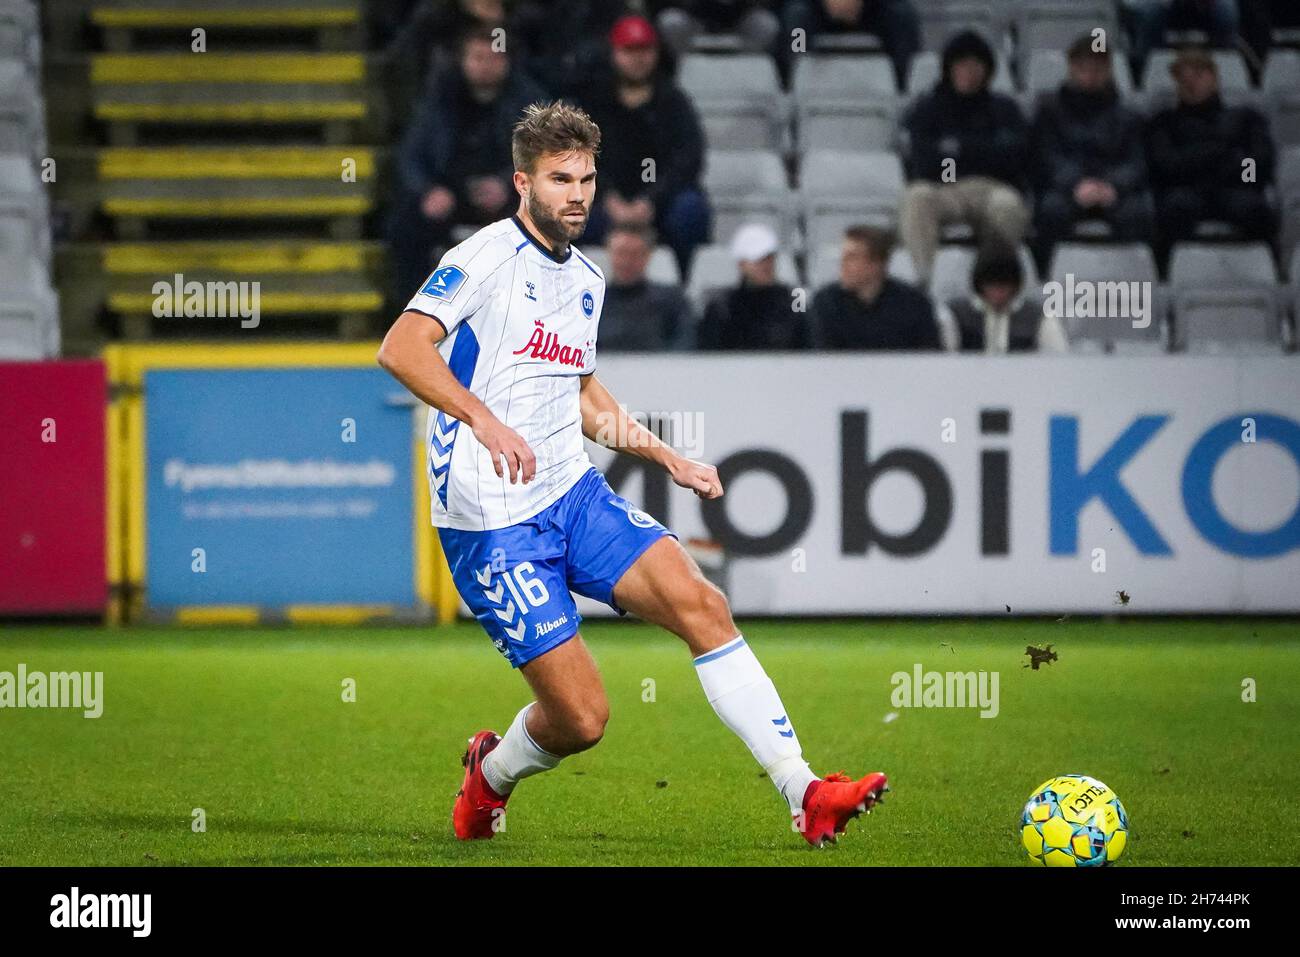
(967, 155)
(1089, 156)
(454, 165)
(758, 313)
(1209, 161)
(639, 315)
(866, 308)
(652, 147)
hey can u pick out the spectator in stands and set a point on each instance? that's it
(966, 157)
(424, 36)
(1147, 21)
(681, 21)
(563, 43)
(759, 312)
(1209, 161)
(894, 22)
(1089, 156)
(640, 315)
(868, 309)
(454, 165)
(998, 316)
(652, 147)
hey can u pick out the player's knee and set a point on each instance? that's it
(710, 612)
(589, 727)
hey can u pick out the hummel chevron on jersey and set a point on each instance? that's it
(521, 328)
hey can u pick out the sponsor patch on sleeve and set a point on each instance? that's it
(444, 283)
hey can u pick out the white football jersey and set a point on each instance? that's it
(521, 328)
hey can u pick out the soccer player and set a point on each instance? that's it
(500, 342)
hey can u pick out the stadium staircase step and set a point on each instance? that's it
(295, 278)
(142, 185)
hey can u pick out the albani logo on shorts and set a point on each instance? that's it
(546, 345)
(546, 627)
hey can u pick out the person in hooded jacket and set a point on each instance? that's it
(999, 315)
(966, 156)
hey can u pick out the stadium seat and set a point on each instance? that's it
(244, 183)
(821, 77)
(29, 315)
(20, 34)
(297, 278)
(844, 102)
(744, 185)
(841, 189)
(940, 22)
(872, 178)
(1288, 187)
(1282, 96)
(823, 264)
(1289, 331)
(24, 211)
(739, 99)
(901, 266)
(1281, 71)
(823, 129)
(1226, 297)
(1110, 263)
(22, 118)
(322, 89)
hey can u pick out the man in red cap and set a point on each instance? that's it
(653, 152)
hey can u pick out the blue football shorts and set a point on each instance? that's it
(518, 580)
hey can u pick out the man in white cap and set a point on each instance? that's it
(758, 313)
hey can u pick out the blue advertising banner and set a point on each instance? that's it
(277, 487)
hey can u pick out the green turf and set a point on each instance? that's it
(250, 726)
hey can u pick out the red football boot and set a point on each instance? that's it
(477, 805)
(831, 802)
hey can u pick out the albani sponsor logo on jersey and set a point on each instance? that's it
(546, 345)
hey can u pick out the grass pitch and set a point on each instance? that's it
(251, 727)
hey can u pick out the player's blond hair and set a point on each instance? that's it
(554, 127)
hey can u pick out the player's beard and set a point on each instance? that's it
(556, 228)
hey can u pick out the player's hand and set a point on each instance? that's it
(503, 442)
(699, 478)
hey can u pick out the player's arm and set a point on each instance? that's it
(408, 354)
(607, 423)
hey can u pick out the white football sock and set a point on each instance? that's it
(746, 700)
(516, 757)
